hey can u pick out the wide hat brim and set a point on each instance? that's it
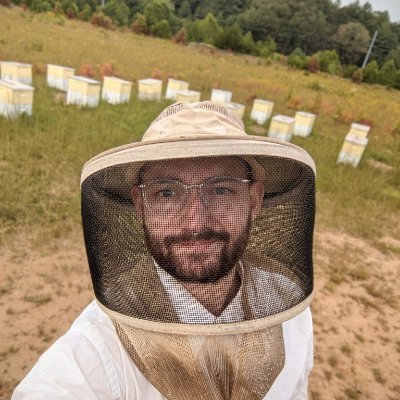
(280, 165)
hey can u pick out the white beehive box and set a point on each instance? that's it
(83, 91)
(236, 108)
(16, 71)
(261, 111)
(116, 90)
(149, 89)
(352, 150)
(221, 96)
(189, 96)
(281, 128)
(57, 76)
(359, 130)
(175, 86)
(15, 98)
(303, 123)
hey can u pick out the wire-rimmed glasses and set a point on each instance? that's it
(171, 195)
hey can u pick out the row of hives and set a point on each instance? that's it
(16, 97)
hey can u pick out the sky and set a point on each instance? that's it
(392, 6)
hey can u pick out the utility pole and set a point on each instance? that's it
(369, 50)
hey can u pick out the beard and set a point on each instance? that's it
(198, 265)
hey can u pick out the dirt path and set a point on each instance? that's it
(357, 325)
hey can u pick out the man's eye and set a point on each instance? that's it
(222, 190)
(165, 193)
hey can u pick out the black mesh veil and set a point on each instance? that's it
(199, 243)
(122, 269)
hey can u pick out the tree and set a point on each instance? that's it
(118, 11)
(162, 29)
(395, 56)
(388, 74)
(371, 72)
(329, 62)
(231, 38)
(184, 10)
(157, 10)
(298, 59)
(209, 29)
(352, 41)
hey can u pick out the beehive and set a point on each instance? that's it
(116, 90)
(359, 130)
(261, 111)
(83, 91)
(15, 98)
(281, 128)
(352, 150)
(150, 89)
(16, 71)
(221, 96)
(236, 108)
(175, 86)
(57, 76)
(190, 96)
(303, 123)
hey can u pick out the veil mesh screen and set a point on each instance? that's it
(199, 240)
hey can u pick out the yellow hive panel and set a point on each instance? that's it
(359, 130)
(189, 96)
(263, 106)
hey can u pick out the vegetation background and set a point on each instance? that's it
(314, 34)
(44, 282)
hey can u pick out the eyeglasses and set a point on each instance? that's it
(170, 195)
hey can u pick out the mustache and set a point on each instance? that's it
(204, 235)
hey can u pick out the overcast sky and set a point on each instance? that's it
(393, 6)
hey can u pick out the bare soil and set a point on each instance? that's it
(355, 309)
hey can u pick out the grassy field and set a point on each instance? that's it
(41, 158)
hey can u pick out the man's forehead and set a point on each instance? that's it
(202, 166)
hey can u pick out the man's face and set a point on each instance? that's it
(197, 234)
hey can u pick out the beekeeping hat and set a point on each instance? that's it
(184, 349)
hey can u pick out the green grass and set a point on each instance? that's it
(41, 157)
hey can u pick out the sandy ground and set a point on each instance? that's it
(355, 308)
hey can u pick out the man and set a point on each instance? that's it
(199, 242)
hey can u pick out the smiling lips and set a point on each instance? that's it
(197, 245)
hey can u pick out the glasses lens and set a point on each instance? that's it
(165, 195)
(222, 192)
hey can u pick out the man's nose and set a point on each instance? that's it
(194, 211)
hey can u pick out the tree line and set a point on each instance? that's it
(307, 34)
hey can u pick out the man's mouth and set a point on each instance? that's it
(200, 240)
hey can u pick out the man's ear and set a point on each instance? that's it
(137, 199)
(256, 198)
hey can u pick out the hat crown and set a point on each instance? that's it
(188, 119)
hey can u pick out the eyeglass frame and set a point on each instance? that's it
(188, 187)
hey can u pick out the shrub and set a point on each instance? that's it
(106, 70)
(86, 13)
(371, 72)
(329, 62)
(118, 11)
(297, 59)
(388, 74)
(162, 29)
(5, 3)
(99, 19)
(180, 37)
(156, 74)
(357, 76)
(139, 24)
(313, 64)
(86, 70)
